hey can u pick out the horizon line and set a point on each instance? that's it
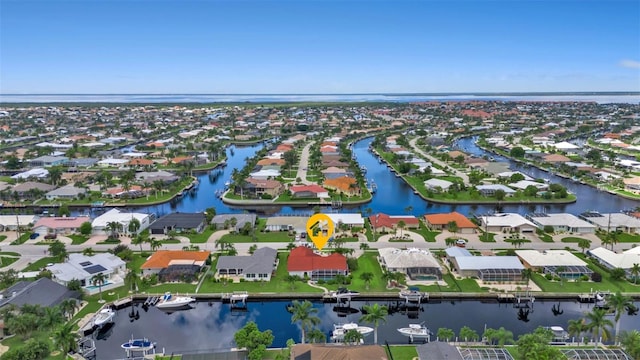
(630, 92)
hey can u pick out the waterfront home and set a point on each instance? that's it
(439, 350)
(44, 292)
(344, 184)
(257, 267)
(329, 351)
(442, 221)
(221, 220)
(562, 222)
(559, 262)
(11, 222)
(437, 185)
(59, 225)
(632, 184)
(335, 163)
(253, 187)
(150, 177)
(506, 222)
(523, 184)
(67, 192)
(179, 222)
(140, 163)
(167, 261)
(100, 224)
(613, 221)
(485, 268)
(305, 263)
(386, 223)
(111, 162)
(509, 174)
(134, 191)
(612, 260)
(555, 158)
(418, 264)
(38, 173)
(348, 219)
(29, 189)
(297, 224)
(265, 174)
(48, 161)
(271, 162)
(308, 191)
(491, 189)
(84, 268)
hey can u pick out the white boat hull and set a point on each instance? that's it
(104, 317)
(176, 302)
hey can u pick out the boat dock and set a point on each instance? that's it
(237, 299)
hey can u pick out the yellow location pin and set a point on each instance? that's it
(320, 228)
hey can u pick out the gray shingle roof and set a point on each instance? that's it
(43, 292)
(261, 262)
(182, 220)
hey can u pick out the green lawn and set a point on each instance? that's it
(277, 283)
(571, 239)
(22, 239)
(17, 341)
(487, 237)
(366, 263)
(545, 237)
(201, 237)
(403, 352)
(6, 261)
(9, 253)
(3, 238)
(78, 239)
(628, 238)
(428, 235)
(38, 265)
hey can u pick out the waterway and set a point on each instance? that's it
(393, 195)
(211, 326)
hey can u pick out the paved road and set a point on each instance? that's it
(434, 160)
(304, 164)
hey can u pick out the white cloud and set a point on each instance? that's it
(631, 64)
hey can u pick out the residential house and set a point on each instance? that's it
(287, 223)
(349, 219)
(491, 189)
(101, 223)
(29, 189)
(612, 260)
(11, 222)
(559, 262)
(613, 222)
(308, 191)
(328, 351)
(442, 221)
(507, 222)
(556, 158)
(305, 263)
(48, 161)
(59, 225)
(241, 219)
(257, 267)
(179, 222)
(167, 260)
(632, 184)
(437, 184)
(387, 223)
(562, 222)
(84, 268)
(344, 184)
(254, 187)
(271, 162)
(44, 292)
(37, 173)
(418, 264)
(523, 184)
(67, 192)
(485, 268)
(265, 174)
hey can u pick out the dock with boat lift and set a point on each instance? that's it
(237, 299)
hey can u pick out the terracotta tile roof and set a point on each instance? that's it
(161, 258)
(384, 220)
(444, 219)
(142, 162)
(61, 222)
(267, 184)
(268, 162)
(284, 147)
(341, 183)
(304, 259)
(329, 352)
(556, 158)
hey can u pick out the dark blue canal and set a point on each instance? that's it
(212, 326)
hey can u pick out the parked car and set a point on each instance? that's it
(34, 236)
(461, 243)
(50, 236)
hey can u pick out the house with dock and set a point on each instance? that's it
(558, 262)
(418, 264)
(304, 262)
(259, 266)
(83, 268)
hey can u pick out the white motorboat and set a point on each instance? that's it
(344, 293)
(138, 345)
(416, 331)
(103, 317)
(560, 335)
(169, 301)
(339, 330)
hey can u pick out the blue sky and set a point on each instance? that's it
(304, 46)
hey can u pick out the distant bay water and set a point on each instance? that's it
(602, 98)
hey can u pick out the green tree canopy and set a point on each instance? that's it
(254, 340)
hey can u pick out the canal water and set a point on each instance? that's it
(393, 195)
(211, 326)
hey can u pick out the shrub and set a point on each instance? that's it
(548, 276)
(352, 264)
(596, 276)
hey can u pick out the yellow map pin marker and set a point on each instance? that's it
(320, 229)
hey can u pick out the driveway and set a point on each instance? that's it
(304, 164)
(434, 160)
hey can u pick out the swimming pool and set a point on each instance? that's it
(92, 287)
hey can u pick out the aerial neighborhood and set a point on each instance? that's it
(110, 206)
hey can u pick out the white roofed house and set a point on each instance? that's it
(562, 223)
(612, 260)
(101, 223)
(11, 222)
(66, 192)
(59, 225)
(490, 190)
(437, 184)
(559, 262)
(418, 264)
(84, 268)
(506, 222)
(613, 221)
(485, 268)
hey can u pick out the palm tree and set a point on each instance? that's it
(618, 303)
(303, 313)
(158, 185)
(375, 314)
(401, 224)
(68, 307)
(155, 244)
(353, 337)
(526, 275)
(316, 336)
(635, 271)
(584, 244)
(66, 338)
(599, 324)
(88, 252)
(98, 280)
(134, 226)
(291, 279)
(367, 277)
(138, 240)
(113, 227)
(51, 317)
(576, 327)
(132, 278)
